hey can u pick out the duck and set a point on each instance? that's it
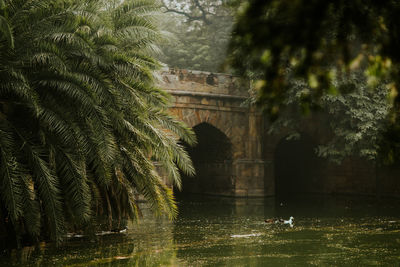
(280, 221)
(290, 221)
(273, 220)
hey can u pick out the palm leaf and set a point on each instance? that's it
(11, 182)
(6, 31)
(73, 178)
(49, 191)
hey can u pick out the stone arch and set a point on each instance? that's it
(296, 166)
(193, 117)
(212, 159)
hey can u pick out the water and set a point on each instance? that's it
(328, 231)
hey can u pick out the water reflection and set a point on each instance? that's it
(231, 232)
(149, 243)
(328, 231)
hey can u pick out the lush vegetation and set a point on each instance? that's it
(321, 41)
(199, 32)
(353, 123)
(81, 121)
(340, 57)
(80, 118)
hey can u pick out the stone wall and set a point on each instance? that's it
(352, 176)
(217, 99)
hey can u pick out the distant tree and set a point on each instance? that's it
(200, 31)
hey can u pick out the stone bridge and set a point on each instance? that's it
(235, 157)
(228, 157)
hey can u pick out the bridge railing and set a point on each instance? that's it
(181, 80)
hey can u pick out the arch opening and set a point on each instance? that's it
(296, 167)
(212, 159)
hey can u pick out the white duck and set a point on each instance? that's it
(290, 221)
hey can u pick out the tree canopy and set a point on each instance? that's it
(80, 118)
(352, 124)
(199, 32)
(341, 57)
(319, 40)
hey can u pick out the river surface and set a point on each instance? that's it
(211, 231)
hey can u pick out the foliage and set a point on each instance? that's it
(358, 120)
(200, 32)
(324, 43)
(354, 122)
(80, 118)
(320, 40)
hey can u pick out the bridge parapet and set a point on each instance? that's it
(180, 81)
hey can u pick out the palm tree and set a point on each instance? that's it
(80, 118)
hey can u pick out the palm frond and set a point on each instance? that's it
(49, 191)
(6, 31)
(30, 207)
(73, 178)
(11, 183)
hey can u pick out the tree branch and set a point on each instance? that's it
(203, 12)
(202, 17)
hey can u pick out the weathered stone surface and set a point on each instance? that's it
(216, 99)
